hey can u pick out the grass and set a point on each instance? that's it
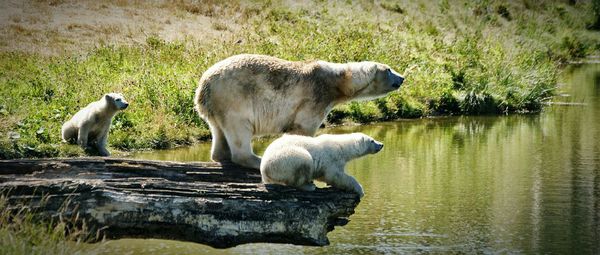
(20, 234)
(459, 58)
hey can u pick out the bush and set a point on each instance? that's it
(473, 103)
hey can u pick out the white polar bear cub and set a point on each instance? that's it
(91, 124)
(296, 160)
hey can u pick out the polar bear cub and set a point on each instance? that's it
(91, 124)
(296, 160)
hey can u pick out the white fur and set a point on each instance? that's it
(239, 98)
(91, 124)
(362, 72)
(296, 161)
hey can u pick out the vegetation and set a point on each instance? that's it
(596, 8)
(459, 57)
(21, 234)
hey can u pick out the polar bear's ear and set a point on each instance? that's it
(363, 73)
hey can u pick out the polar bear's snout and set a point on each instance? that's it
(121, 103)
(374, 146)
(395, 79)
(377, 146)
(399, 80)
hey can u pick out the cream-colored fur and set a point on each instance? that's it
(298, 160)
(91, 124)
(247, 95)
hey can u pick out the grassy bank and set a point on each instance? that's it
(463, 57)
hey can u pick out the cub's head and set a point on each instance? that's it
(366, 144)
(117, 100)
(370, 80)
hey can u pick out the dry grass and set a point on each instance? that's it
(219, 26)
(21, 30)
(50, 2)
(22, 234)
(78, 26)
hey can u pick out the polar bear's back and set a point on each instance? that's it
(243, 79)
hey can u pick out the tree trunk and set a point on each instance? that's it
(209, 203)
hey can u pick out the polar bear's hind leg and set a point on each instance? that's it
(69, 133)
(219, 150)
(239, 139)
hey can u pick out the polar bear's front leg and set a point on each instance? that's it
(339, 179)
(82, 136)
(101, 144)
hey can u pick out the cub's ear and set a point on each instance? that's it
(107, 97)
(363, 73)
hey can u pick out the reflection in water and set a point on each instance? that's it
(523, 183)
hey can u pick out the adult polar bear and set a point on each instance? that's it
(247, 95)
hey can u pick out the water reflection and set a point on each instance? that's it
(526, 183)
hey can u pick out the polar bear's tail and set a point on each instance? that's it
(201, 98)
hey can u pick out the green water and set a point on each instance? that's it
(508, 184)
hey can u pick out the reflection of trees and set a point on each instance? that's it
(571, 180)
(596, 85)
(437, 176)
(523, 182)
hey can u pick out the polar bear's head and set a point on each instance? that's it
(116, 100)
(372, 80)
(363, 144)
(370, 145)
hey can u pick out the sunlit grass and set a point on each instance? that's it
(21, 234)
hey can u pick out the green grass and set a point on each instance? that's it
(21, 234)
(462, 57)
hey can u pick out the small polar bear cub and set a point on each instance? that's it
(296, 160)
(91, 124)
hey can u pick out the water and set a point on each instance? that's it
(508, 184)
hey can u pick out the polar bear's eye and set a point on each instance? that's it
(118, 100)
